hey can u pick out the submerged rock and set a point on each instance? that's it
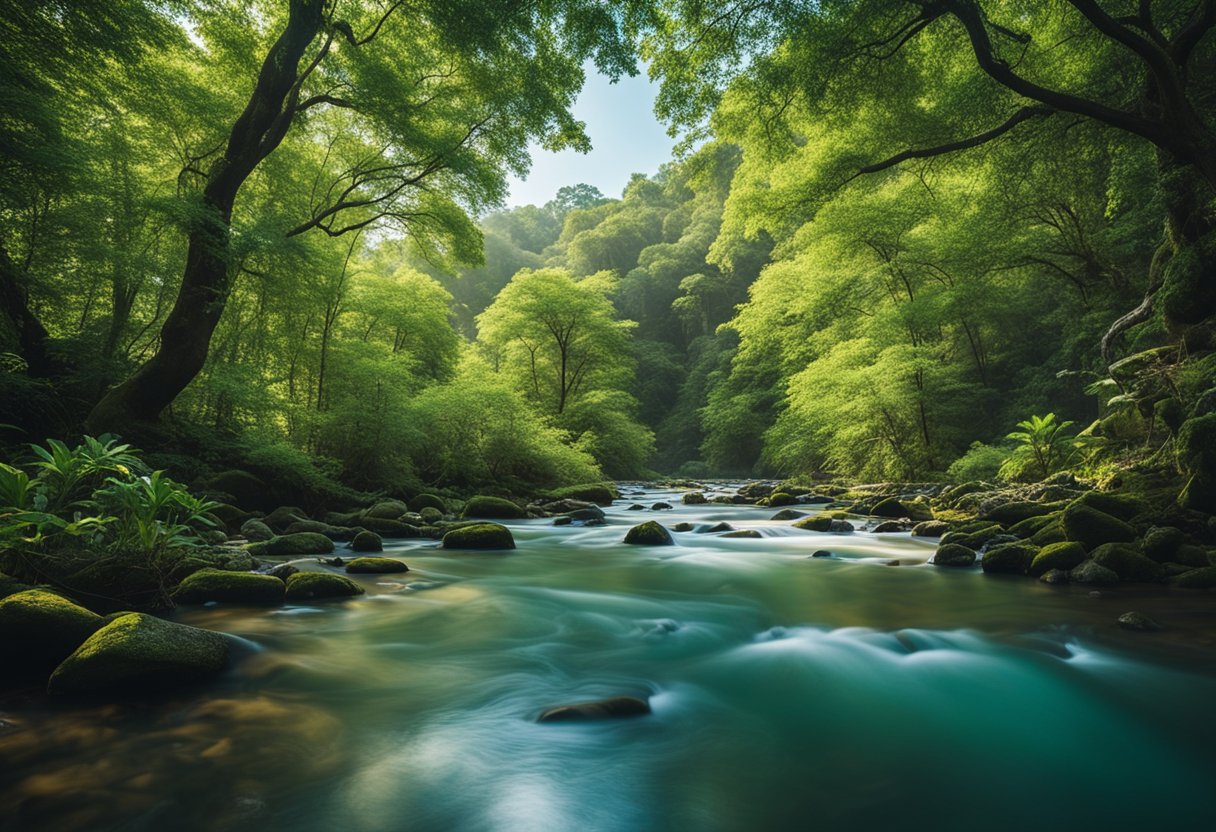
(375, 566)
(718, 527)
(306, 585)
(41, 628)
(1092, 573)
(231, 587)
(1138, 622)
(614, 708)
(479, 536)
(366, 541)
(636, 507)
(682, 527)
(749, 533)
(135, 652)
(649, 533)
(1054, 576)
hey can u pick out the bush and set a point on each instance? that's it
(981, 462)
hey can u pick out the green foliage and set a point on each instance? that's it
(1043, 446)
(980, 462)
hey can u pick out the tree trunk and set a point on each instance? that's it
(33, 340)
(186, 334)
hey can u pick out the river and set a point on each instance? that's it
(788, 692)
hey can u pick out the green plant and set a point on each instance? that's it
(68, 475)
(152, 514)
(1044, 445)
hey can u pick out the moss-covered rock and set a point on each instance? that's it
(288, 545)
(389, 528)
(1125, 560)
(780, 498)
(421, 501)
(11, 586)
(493, 508)
(1009, 558)
(430, 515)
(1026, 529)
(1064, 556)
(952, 554)
(1161, 542)
(40, 629)
(694, 498)
(336, 533)
(1189, 554)
(135, 653)
(815, 523)
(255, 531)
(1123, 506)
(312, 585)
(930, 528)
(231, 587)
(973, 536)
(479, 536)
(788, 514)
(1091, 527)
(889, 507)
(1196, 455)
(597, 493)
(387, 510)
(1196, 579)
(1137, 622)
(1052, 532)
(366, 541)
(284, 516)
(1088, 572)
(375, 566)
(650, 533)
(742, 533)
(1017, 511)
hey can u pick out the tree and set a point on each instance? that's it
(451, 95)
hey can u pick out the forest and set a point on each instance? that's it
(927, 284)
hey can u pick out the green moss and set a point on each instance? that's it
(1027, 528)
(10, 586)
(744, 533)
(375, 566)
(1010, 558)
(479, 536)
(430, 515)
(1123, 506)
(890, 507)
(1065, 556)
(650, 533)
(1197, 579)
(387, 510)
(815, 523)
(255, 531)
(306, 585)
(780, 498)
(232, 587)
(1126, 561)
(285, 545)
(972, 535)
(1052, 532)
(421, 501)
(1161, 542)
(592, 493)
(366, 541)
(41, 628)
(930, 528)
(1196, 454)
(494, 508)
(1191, 555)
(1091, 527)
(284, 516)
(952, 554)
(389, 528)
(1016, 512)
(135, 653)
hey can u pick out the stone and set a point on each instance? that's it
(694, 498)
(41, 629)
(649, 533)
(1091, 527)
(231, 587)
(1138, 622)
(282, 571)
(1062, 556)
(335, 533)
(889, 507)
(390, 528)
(1089, 572)
(387, 510)
(135, 653)
(1009, 558)
(375, 566)
(788, 514)
(430, 515)
(1197, 579)
(315, 585)
(746, 533)
(423, 501)
(840, 527)
(660, 506)
(495, 508)
(287, 545)
(1054, 576)
(284, 516)
(682, 527)
(1161, 542)
(484, 536)
(614, 708)
(367, 541)
(1019, 510)
(11, 586)
(889, 526)
(596, 493)
(1125, 560)
(636, 507)
(821, 553)
(718, 527)
(256, 531)
(930, 528)
(953, 554)
(781, 498)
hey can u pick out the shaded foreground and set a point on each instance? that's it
(785, 690)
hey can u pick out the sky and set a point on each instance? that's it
(626, 138)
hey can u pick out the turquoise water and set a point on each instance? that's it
(788, 693)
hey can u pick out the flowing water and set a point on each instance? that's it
(788, 692)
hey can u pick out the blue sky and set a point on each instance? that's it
(626, 138)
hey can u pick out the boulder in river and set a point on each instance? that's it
(788, 514)
(649, 533)
(282, 571)
(747, 533)
(40, 628)
(718, 527)
(1125, 560)
(367, 541)
(1067, 555)
(479, 536)
(782, 498)
(682, 527)
(694, 498)
(387, 510)
(494, 508)
(284, 516)
(1197, 579)
(890, 507)
(597, 493)
(817, 523)
(614, 708)
(287, 545)
(390, 528)
(890, 526)
(1091, 527)
(840, 527)
(953, 554)
(661, 506)
(1054, 576)
(821, 553)
(314, 585)
(232, 587)
(1089, 572)
(136, 652)
(930, 528)
(1138, 622)
(419, 502)
(375, 566)
(1009, 558)
(255, 531)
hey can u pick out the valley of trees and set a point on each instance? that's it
(269, 237)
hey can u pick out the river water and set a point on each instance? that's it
(788, 692)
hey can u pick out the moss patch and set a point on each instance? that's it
(816, 523)
(479, 536)
(41, 628)
(232, 587)
(366, 541)
(494, 508)
(375, 566)
(649, 533)
(1010, 558)
(1065, 556)
(1091, 528)
(421, 501)
(952, 554)
(306, 585)
(592, 493)
(286, 545)
(1126, 561)
(135, 652)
